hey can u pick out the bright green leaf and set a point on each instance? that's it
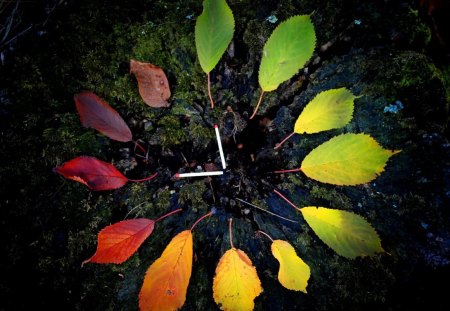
(330, 109)
(348, 234)
(348, 159)
(213, 32)
(287, 50)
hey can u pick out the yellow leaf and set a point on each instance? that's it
(348, 234)
(294, 272)
(167, 279)
(236, 283)
(330, 109)
(348, 159)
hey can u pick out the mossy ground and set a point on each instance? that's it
(49, 225)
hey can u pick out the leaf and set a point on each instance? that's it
(95, 174)
(96, 113)
(167, 279)
(236, 283)
(348, 234)
(287, 50)
(213, 33)
(117, 242)
(153, 84)
(330, 109)
(348, 159)
(294, 273)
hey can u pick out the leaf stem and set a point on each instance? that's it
(230, 221)
(286, 199)
(168, 214)
(287, 171)
(262, 232)
(140, 147)
(209, 91)
(268, 212)
(200, 219)
(257, 105)
(143, 179)
(277, 146)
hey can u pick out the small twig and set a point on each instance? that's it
(268, 212)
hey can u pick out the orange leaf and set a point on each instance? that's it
(117, 242)
(167, 279)
(96, 113)
(92, 172)
(153, 85)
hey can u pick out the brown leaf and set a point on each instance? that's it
(153, 85)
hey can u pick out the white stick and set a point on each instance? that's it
(219, 142)
(215, 173)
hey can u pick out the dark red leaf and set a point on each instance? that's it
(117, 242)
(96, 113)
(153, 85)
(95, 174)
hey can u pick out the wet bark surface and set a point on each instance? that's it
(389, 53)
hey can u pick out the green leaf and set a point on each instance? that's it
(348, 234)
(287, 50)
(348, 159)
(213, 32)
(330, 109)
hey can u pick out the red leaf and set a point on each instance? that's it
(117, 242)
(96, 113)
(95, 174)
(153, 85)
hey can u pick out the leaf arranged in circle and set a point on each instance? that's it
(117, 242)
(92, 172)
(347, 159)
(330, 109)
(286, 51)
(236, 283)
(96, 113)
(213, 33)
(152, 82)
(294, 273)
(167, 279)
(348, 234)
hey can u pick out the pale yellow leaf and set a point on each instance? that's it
(294, 272)
(348, 159)
(330, 109)
(236, 283)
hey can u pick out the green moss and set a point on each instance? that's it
(191, 195)
(162, 201)
(170, 131)
(334, 198)
(200, 135)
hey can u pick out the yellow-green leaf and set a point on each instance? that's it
(213, 32)
(294, 272)
(236, 283)
(348, 234)
(287, 50)
(348, 159)
(167, 279)
(330, 109)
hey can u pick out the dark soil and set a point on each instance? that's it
(388, 52)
